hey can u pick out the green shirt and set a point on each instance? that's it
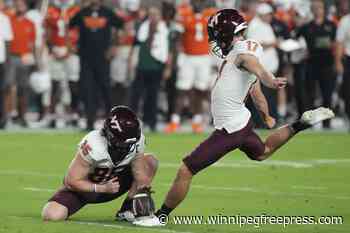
(146, 60)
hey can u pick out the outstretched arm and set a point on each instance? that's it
(252, 65)
(260, 103)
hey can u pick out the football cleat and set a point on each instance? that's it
(127, 216)
(313, 117)
(150, 221)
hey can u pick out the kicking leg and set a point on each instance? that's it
(207, 153)
(285, 133)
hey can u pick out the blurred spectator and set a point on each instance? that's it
(260, 29)
(95, 24)
(119, 66)
(40, 86)
(194, 76)
(298, 60)
(343, 59)
(282, 33)
(64, 64)
(21, 61)
(152, 40)
(320, 37)
(170, 74)
(6, 35)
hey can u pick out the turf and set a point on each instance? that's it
(308, 177)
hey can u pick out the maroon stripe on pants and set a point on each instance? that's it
(219, 143)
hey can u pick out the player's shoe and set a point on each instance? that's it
(151, 221)
(127, 216)
(172, 127)
(316, 116)
(197, 128)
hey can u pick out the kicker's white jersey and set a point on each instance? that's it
(232, 88)
(94, 149)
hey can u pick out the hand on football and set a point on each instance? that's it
(279, 83)
(112, 186)
(270, 122)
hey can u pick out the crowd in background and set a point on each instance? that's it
(65, 64)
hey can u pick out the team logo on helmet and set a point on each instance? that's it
(222, 27)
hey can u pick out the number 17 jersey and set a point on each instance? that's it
(231, 89)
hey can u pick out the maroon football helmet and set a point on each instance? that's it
(122, 130)
(222, 27)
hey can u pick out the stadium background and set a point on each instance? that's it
(54, 103)
(307, 177)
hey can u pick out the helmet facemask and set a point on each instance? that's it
(117, 148)
(122, 131)
(223, 27)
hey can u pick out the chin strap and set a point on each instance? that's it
(216, 50)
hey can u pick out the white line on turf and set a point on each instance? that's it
(272, 193)
(233, 189)
(126, 227)
(269, 163)
(27, 173)
(308, 187)
(99, 224)
(38, 189)
(231, 164)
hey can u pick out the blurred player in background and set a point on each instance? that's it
(320, 35)
(97, 42)
(342, 61)
(260, 29)
(194, 64)
(6, 36)
(108, 163)
(21, 60)
(239, 76)
(64, 62)
(121, 79)
(152, 39)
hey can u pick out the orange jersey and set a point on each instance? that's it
(10, 12)
(195, 34)
(23, 35)
(56, 23)
(127, 36)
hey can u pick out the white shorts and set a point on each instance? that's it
(65, 70)
(194, 72)
(119, 65)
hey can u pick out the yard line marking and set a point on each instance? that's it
(220, 165)
(278, 163)
(231, 189)
(27, 173)
(272, 193)
(33, 189)
(309, 187)
(126, 227)
(233, 164)
(99, 224)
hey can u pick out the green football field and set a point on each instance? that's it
(308, 177)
